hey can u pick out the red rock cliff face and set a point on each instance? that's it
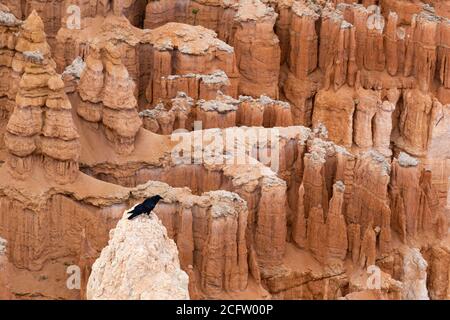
(161, 61)
(55, 14)
(366, 60)
(176, 52)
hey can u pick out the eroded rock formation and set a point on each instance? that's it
(117, 273)
(41, 123)
(221, 112)
(107, 97)
(257, 49)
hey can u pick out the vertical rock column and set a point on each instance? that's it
(425, 48)
(314, 184)
(320, 225)
(31, 38)
(443, 67)
(59, 141)
(107, 97)
(438, 260)
(345, 51)
(415, 203)
(181, 106)
(415, 121)
(303, 53)
(282, 28)
(257, 49)
(216, 114)
(270, 231)
(383, 127)
(336, 228)
(9, 27)
(331, 20)
(374, 57)
(312, 194)
(120, 116)
(337, 46)
(25, 123)
(302, 50)
(250, 112)
(368, 213)
(390, 44)
(222, 254)
(368, 104)
(276, 113)
(90, 88)
(42, 124)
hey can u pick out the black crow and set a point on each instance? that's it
(145, 207)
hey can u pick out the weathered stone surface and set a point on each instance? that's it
(414, 275)
(117, 273)
(4, 272)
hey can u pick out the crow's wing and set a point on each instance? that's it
(136, 209)
(150, 201)
(150, 207)
(135, 214)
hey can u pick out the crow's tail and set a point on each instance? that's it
(134, 215)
